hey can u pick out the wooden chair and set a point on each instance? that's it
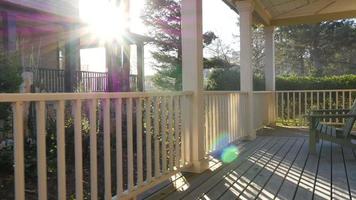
(319, 130)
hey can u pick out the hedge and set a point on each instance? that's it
(316, 83)
(229, 79)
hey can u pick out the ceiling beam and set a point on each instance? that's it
(262, 12)
(308, 19)
(318, 11)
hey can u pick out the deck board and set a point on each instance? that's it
(260, 172)
(273, 167)
(307, 180)
(291, 178)
(350, 161)
(229, 171)
(236, 182)
(340, 187)
(275, 180)
(322, 189)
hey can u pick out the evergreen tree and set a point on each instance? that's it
(163, 20)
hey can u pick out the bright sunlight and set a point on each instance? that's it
(105, 18)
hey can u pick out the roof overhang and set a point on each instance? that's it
(288, 12)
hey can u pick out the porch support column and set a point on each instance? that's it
(192, 63)
(72, 58)
(246, 71)
(270, 76)
(9, 33)
(140, 67)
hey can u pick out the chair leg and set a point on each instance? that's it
(312, 141)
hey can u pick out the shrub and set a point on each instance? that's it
(316, 83)
(229, 79)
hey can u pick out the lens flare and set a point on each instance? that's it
(229, 154)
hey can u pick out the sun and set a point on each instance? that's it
(104, 18)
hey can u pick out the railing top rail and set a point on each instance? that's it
(93, 72)
(263, 92)
(222, 92)
(332, 90)
(25, 97)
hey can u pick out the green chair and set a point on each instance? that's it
(319, 130)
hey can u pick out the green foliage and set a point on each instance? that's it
(229, 80)
(10, 76)
(10, 80)
(316, 83)
(163, 20)
(321, 49)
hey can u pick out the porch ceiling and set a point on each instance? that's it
(286, 12)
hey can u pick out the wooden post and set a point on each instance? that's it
(246, 72)
(192, 60)
(113, 62)
(72, 57)
(270, 76)
(10, 32)
(269, 58)
(140, 67)
(125, 75)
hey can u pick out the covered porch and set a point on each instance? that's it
(124, 144)
(277, 165)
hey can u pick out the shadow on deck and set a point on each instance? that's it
(277, 165)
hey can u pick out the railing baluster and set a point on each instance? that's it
(119, 167)
(294, 108)
(61, 166)
(139, 142)
(206, 123)
(164, 135)
(170, 132)
(107, 149)
(288, 116)
(156, 137)
(41, 149)
(93, 151)
(330, 104)
(19, 151)
(130, 157)
(350, 99)
(78, 150)
(300, 107)
(282, 106)
(343, 99)
(176, 131)
(214, 134)
(148, 140)
(305, 105)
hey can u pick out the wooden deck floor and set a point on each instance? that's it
(274, 166)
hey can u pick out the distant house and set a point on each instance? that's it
(49, 35)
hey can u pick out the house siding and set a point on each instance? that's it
(66, 8)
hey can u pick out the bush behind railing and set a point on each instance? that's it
(229, 80)
(316, 83)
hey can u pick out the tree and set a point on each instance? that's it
(321, 49)
(163, 20)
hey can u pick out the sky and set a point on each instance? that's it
(217, 17)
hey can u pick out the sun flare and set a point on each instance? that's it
(104, 18)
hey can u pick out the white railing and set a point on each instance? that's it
(264, 109)
(222, 119)
(225, 119)
(142, 136)
(293, 105)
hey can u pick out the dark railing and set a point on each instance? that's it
(91, 81)
(52, 80)
(49, 80)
